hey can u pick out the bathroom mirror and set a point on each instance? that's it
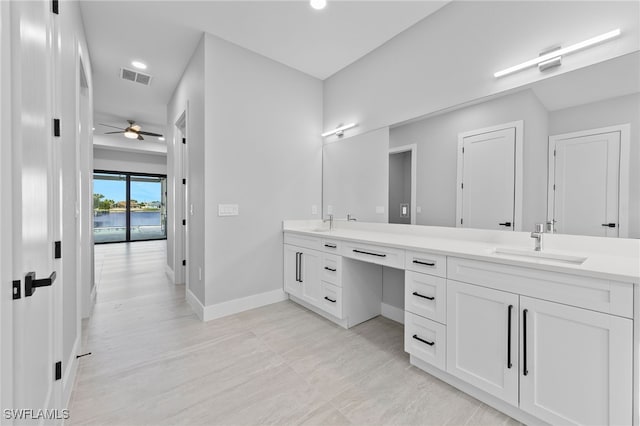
(360, 172)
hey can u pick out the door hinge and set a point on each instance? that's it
(184, 140)
(55, 7)
(461, 221)
(56, 127)
(58, 370)
(462, 186)
(57, 250)
(184, 222)
(184, 181)
(16, 290)
(184, 263)
(554, 186)
(554, 152)
(463, 149)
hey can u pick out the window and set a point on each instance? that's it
(129, 207)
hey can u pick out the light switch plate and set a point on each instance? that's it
(314, 209)
(228, 210)
(380, 209)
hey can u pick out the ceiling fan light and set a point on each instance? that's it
(131, 135)
(318, 4)
(139, 65)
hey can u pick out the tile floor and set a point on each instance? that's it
(154, 363)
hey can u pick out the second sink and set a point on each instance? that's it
(540, 255)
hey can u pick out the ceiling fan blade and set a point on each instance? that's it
(149, 134)
(108, 125)
(111, 133)
(140, 138)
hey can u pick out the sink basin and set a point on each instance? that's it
(320, 230)
(540, 255)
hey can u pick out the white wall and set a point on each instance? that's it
(620, 110)
(189, 97)
(437, 140)
(263, 152)
(355, 176)
(449, 58)
(122, 161)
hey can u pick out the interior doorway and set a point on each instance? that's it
(402, 184)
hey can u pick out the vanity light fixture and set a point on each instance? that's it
(552, 58)
(318, 4)
(339, 131)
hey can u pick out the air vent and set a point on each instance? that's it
(138, 77)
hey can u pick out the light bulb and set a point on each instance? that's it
(131, 135)
(318, 4)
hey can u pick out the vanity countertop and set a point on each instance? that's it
(606, 258)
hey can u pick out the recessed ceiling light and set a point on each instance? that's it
(318, 4)
(139, 65)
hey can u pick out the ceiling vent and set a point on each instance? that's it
(138, 77)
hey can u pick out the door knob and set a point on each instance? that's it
(31, 283)
(505, 224)
(609, 225)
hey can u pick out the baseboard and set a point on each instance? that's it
(87, 311)
(195, 304)
(70, 373)
(170, 274)
(235, 306)
(392, 312)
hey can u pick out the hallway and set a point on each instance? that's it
(154, 362)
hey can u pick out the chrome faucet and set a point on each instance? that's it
(350, 218)
(330, 220)
(551, 226)
(537, 234)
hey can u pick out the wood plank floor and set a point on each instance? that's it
(153, 362)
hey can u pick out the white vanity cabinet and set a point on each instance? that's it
(302, 273)
(482, 338)
(576, 364)
(562, 364)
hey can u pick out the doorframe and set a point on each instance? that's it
(6, 215)
(181, 197)
(623, 176)
(518, 172)
(413, 149)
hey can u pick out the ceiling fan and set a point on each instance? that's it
(133, 131)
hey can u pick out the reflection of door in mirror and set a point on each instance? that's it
(488, 178)
(587, 190)
(402, 176)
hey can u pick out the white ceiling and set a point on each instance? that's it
(164, 34)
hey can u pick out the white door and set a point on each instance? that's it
(482, 338)
(34, 205)
(579, 365)
(585, 188)
(310, 277)
(487, 180)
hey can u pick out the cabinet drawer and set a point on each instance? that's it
(425, 339)
(332, 269)
(607, 296)
(427, 263)
(425, 295)
(386, 256)
(331, 301)
(302, 241)
(330, 246)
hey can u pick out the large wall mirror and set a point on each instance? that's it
(565, 150)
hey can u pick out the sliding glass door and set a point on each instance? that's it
(129, 207)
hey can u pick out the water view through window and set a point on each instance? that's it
(128, 207)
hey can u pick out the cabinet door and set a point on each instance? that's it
(292, 284)
(482, 338)
(310, 277)
(578, 366)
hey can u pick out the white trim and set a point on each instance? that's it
(392, 312)
(70, 372)
(195, 304)
(623, 183)
(519, 162)
(169, 273)
(413, 148)
(235, 306)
